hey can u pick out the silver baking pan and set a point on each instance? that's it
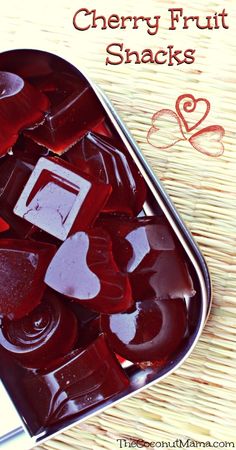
(14, 433)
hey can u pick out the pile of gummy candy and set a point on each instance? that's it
(88, 282)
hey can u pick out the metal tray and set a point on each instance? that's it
(13, 430)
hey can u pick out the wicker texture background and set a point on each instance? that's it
(198, 401)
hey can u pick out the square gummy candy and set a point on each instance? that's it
(68, 121)
(60, 199)
(101, 157)
(78, 381)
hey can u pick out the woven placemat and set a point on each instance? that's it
(198, 401)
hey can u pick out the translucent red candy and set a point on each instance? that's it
(116, 290)
(75, 383)
(28, 151)
(70, 117)
(58, 86)
(48, 332)
(22, 268)
(84, 269)
(101, 159)
(151, 331)
(14, 173)
(21, 106)
(146, 249)
(89, 324)
(60, 199)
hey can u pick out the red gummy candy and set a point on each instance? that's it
(21, 106)
(68, 120)
(48, 332)
(75, 383)
(60, 199)
(84, 269)
(146, 249)
(58, 86)
(22, 268)
(13, 176)
(28, 151)
(104, 161)
(151, 331)
(89, 333)
(89, 324)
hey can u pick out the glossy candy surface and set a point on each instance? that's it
(68, 120)
(148, 251)
(14, 173)
(85, 284)
(75, 383)
(104, 161)
(22, 268)
(28, 151)
(151, 331)
(60, 199)
(84, 269)
(21, 106)
(57, 86)
(48, 332)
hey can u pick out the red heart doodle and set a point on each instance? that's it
(190, 106)
(166, 129)
(209, 140)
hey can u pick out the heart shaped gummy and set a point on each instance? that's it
(84, 269)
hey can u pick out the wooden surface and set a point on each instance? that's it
(198, 401)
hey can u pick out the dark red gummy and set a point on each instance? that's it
(75, 383)
(89, 333)
(60, 199)
(84, 315)
(68, 120)
(65, 343)
(84, 269)
(14, 174)
(22, 268)
(148, 251)
(21, 106)
(28, 151)
(48, 332)
(107, 163)
(151, 331)
(58, 86)
(89, 323)
(28, 63)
